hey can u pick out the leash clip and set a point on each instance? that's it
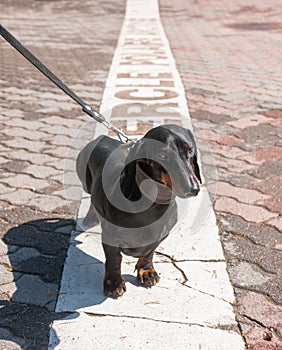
(93, 114)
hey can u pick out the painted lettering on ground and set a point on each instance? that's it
(143, 80)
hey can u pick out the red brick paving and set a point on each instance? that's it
(229, 57)
(38, 129)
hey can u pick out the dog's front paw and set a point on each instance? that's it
(114, 287)
(148, 277)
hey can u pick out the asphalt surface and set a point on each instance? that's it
(229, 58)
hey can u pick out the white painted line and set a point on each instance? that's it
(144, 90)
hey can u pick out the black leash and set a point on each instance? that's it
(43, 69)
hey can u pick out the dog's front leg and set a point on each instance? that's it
(114, 285)
(146, 274)
(91, 218)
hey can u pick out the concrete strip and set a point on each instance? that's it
(130, 333)
(191, 306)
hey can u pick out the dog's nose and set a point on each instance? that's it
(195, 189)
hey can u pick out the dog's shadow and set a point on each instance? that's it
(37, 252)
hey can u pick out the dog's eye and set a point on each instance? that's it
(189, 150)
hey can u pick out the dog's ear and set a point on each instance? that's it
(195, 159)
(130, 167)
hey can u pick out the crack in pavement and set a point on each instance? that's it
(211, 295)
(218, 326)
(258, 323)
(173, 261)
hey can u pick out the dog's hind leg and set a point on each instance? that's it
(91, 218)
(146, 273)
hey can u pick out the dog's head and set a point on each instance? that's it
(168, 154)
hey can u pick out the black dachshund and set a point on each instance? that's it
(133, 189)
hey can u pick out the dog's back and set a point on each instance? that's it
(92, 158)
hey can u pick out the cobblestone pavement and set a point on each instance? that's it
(38, 124)
(229, 57)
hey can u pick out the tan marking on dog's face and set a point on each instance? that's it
(166, 179)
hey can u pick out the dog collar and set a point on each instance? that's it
(155, 191)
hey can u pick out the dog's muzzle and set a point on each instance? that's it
(164, 194)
